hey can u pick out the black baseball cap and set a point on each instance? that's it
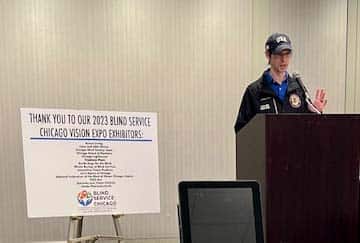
(278, 42)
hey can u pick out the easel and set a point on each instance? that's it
(75, 231)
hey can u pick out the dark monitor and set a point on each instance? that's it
(220, 211)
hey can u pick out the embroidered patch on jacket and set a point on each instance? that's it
(295, 101)
(266, 98)
(265, 107)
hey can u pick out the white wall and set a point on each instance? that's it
(352, 91)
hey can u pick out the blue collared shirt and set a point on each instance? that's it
(279, 89)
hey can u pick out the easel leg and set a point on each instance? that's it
(116, 219)
(75, 227)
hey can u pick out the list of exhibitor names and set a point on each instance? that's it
(94, 168)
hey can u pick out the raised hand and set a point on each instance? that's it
(320, 101)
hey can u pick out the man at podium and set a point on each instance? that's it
(276, 91)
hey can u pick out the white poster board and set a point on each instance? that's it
(82, 162)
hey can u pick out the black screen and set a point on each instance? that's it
(221, 215)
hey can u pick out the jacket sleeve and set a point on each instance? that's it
(247, 110)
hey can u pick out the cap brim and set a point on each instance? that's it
(281, 48)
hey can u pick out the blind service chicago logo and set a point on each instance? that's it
(96, 199)
(84, 198)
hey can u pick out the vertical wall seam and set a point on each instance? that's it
(349, 104)
(252, 37)
(356, 55)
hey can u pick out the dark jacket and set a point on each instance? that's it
(260, 98)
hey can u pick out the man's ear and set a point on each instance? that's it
(267, 55)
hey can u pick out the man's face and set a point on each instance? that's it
(280, 62)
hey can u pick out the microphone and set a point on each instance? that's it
(306, 92)
(297, 76)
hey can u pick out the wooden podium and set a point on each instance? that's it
(308, 169)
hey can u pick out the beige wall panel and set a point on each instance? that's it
(351, 57)
(318, 31)
(353, 61)
(187, 60)
(260, 32)
(356, 81)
